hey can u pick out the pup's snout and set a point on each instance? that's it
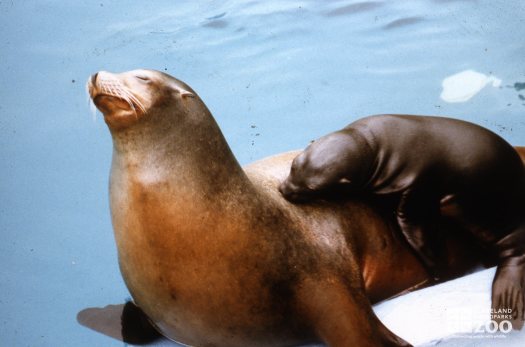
(289, 191)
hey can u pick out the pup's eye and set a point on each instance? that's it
(143, 78)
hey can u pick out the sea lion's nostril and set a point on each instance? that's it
(94, 78)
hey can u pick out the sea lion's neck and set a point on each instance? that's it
(361, 158)
(189, 153)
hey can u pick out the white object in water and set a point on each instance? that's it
(464, 85)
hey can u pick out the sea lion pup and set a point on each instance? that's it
(214, 255)
(430, 162)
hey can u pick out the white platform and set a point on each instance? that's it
(455, 313)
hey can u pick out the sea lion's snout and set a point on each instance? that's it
(285, 190)
(99, 84)
(93, 78)
(292, 188)
(291, 191)
(120, 98)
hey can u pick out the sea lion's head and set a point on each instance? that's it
(334, 163)
(294, 187)
(305, 179)
(128, 97)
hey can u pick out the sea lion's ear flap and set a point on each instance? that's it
(184, 93)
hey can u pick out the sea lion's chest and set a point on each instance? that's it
(193, 270)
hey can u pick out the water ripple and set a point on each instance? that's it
(354, 8)
(402, 22)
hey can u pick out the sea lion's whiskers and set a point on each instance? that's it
(104, 88)
(130, 103)
(93, 109)
(115, 88)
(123, 94)
(111, 86)
(92, 106)
(135, 100)
(112, 91)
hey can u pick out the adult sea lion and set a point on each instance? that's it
(430, 162)
(214, 255)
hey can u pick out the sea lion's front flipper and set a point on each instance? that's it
(508, 287)
(417, 215)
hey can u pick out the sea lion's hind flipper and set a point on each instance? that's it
(124, 322)
(136, 326)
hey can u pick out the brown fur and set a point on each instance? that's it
(521, 152)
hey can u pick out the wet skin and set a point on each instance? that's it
(435, 167)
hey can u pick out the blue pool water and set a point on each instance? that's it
(275, 74)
